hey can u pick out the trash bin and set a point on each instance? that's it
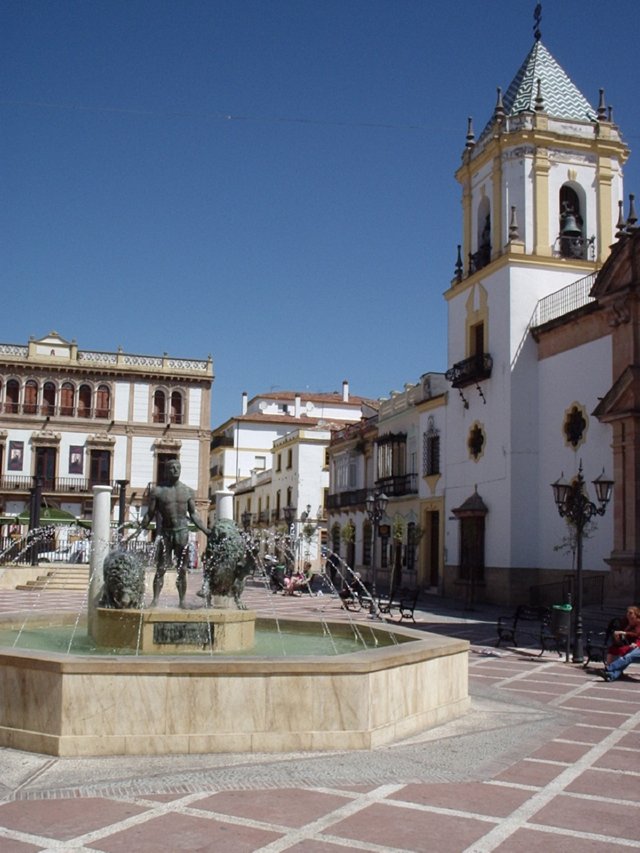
(560, 620)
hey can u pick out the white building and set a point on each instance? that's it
(541, 187)
(543, 374)
(244, 444)
(77, 418)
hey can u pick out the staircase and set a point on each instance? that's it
(64, 577)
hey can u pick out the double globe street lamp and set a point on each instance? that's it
(376, 505)
(573, 504)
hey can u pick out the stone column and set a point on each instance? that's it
(101, 541)
(224, 505)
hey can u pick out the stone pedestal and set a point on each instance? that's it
(171, 631)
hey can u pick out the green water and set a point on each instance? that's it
(269, 643)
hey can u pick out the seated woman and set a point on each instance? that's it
(298, 580)
(625, 639)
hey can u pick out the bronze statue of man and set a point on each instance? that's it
(175, 503)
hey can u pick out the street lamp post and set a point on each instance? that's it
(375, 504)
(572, 501)
(289, 513)
(305, 536)
(34, 517)
(122, 506)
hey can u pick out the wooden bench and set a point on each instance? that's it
(529, 622)
(402, 600)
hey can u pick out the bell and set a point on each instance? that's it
(569, 228)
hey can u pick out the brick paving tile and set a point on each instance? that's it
(586, 734)
(536, 773)
(619, 759)
(599, 783)
(410, 829)
(477, 797)
(617, 820)
(64, 819)
(532, 841)
(310, 845)
(481, 678)
(178, 832)
(288, 807)
(559, 751)
(8, 845)
(162, 798)
(614, 705)
(546, 686)
(596, 718)
(630, 741)
(521, 692)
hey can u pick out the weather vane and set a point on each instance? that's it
(537, 17)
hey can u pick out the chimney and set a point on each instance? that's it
(298, 406)
(244, 402)
(345, 391)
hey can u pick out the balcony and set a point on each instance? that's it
(396, 487)
(470, 371)
(344, 499)
(50, 411)
(54, 485)
(221, 441)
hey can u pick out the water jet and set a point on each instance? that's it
(109, 703)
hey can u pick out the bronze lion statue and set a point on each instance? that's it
(226, 563)
(123, 576)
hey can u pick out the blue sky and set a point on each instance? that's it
(268, 181)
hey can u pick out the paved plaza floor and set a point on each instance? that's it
(546, 760)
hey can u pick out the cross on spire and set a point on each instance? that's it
(537, 17)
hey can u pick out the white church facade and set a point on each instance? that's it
(535, 352)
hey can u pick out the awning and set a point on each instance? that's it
(52, 515)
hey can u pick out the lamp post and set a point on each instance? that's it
(289, 513)
(308, 529)
(572, 501)
(375, 504)
(34, 517)
(122, 505)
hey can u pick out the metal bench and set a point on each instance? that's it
(529, 622)
(402, 600)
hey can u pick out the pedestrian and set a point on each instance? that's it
(612, 671)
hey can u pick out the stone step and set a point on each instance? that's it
(64, 578)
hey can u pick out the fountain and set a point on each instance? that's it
(176, 693)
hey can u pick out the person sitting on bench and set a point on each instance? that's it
(627, 637)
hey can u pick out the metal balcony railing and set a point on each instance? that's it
(21, 483)
(470, 370)
(569, 298)
(395, 487)
(47, 410)
(350, 498)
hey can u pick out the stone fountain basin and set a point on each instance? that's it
(70, 705)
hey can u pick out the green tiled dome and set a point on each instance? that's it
(562, 98)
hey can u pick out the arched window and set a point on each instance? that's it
(572, 230)
(48, 398)
(84, 401)
(103, 401)
(176, 408)
(483, 254)
(30, 397)
(159, 407)
(67, 395)
(12, 400)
